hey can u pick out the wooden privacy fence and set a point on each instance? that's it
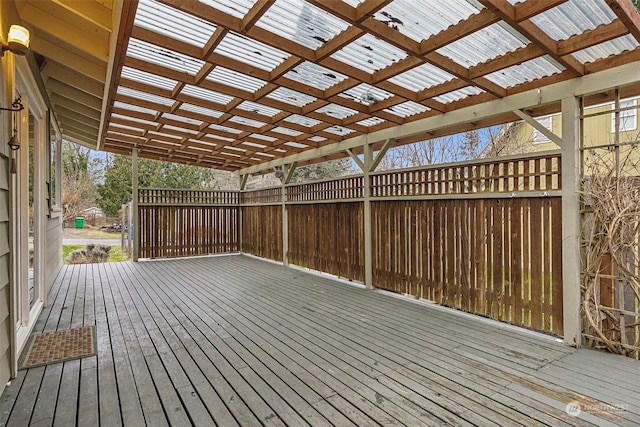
(483, 237)
(177, 223)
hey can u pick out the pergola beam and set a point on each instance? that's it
(588, 84)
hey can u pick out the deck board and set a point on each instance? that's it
(234, 340)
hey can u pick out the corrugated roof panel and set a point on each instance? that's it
(301, 22)
(420, 19)
(237, 8)
(459, 94)
(606, 49)
(338, 130)
(295, 144)
(302, 120)
(484, 44)
(173, 23)
(258, 108)
(246, 121)
(179, 129)
(573, 17)
(148, 78)
(366, 94)
(145, 96)
(421, 77)
(286, 131)
(371, 121)
(317, 139)
(263, 137)
(200, 110)
(315, 76)
(206, 94)
(407, 109)
(253, 144)
(161, 56)
(225, 129)
(292, 97)
(182, 119)
(235, 79)
(527, 71)
(369, 53)
(116, 127)
(136, 108)
(133, 119)
(337, 111)
(251, 52)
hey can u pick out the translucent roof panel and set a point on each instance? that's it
(573, 17)
(179, 129)
(235, 79)
(315, 76)
(258, 108)
(136, 108)
(302, 120)
(295, 144)
(339, 130)
(144, 96)
(527, 71)
(286, 131)
(421, 77)
(420, 19)
(606, 49)
(148, 78)
(317, 139)
(237, 8)
(253, 144)
(366, 94)
(407, 109)
(206, 94)
(371, 121)
(133, 119)
(301, 22)
(224, 128)
(251, 52)
(173, 23)
(483, 45)
(292, 97)
(459, 94)
(263, 137)
(201, 110)
(369, 53)
(182, 119)
(161, 56)
(337, 111)
(245, 121)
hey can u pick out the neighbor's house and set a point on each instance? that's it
(598, 130)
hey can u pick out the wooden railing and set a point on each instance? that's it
(349, 188)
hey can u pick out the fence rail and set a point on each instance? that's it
(165, 196)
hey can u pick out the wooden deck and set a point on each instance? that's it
(234, 340)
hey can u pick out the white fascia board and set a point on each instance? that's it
(585, 85)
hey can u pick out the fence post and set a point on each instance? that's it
(134, 203)
(368, 250)
(571, 221)
(285, 219)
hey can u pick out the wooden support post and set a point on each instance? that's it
(285, 219)
(243, 181)
(571, 221)
(368, 250)
(134, 203)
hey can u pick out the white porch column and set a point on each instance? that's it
(134, 203)
(285, 217)
(571, 264)
(368, 253)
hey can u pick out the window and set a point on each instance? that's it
(55, 175)
(539, 137)
(628, 118)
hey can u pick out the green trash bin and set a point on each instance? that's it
(79, 222)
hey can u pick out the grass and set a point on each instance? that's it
(114, 256)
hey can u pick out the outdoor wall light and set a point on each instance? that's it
(17, 41)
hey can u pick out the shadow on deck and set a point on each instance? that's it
(234, 340)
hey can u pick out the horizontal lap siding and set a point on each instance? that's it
(262, 231)
(499, 258)
(178, 231)
(328, 237)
